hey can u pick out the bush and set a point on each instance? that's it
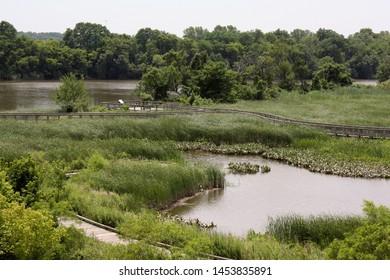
(371, 241)
(331, 75)
(27, 234)
(72, 95)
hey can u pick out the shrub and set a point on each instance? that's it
(27, 234)
(370, 241)
(72, 95)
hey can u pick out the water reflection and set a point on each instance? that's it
(248, 200)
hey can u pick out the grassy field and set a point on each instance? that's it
(131, 168)
(351, 105)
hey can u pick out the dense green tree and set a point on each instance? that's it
(72, 95)
(7, 48)
(331, 75)
(56, 60)
(159, 81)
(27, 234)
(117, 59)
(196, 33)
(286, 76)
(88, 36)
(216, 82)
(92, 51)
(332, 44)
(368, 242)
(383, 73)
(24, 179)
(362, 57)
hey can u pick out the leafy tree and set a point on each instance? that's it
(158, 81)
(368, 242)
(330, 75)
(72, 95)
(88, 36)
(56, 60)
(363, 58)
(286, 76)
(383, 73)
(196, 33)
(24, 179)
(216, 82)
(27, 234)
(332, 44)
(7, 48)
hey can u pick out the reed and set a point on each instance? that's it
(321, 230)
(155, 184)
(356, 105)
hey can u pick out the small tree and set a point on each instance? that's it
(383, 71)
(72, 95)
(331, 75)
(216, 82)
(369, 241)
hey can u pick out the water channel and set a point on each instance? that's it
(247, 201)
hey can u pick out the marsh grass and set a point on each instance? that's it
(346, 105)
(155, 184)
(321, 230)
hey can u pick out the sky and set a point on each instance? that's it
(174, 16)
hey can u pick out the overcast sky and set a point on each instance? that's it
(173, 16)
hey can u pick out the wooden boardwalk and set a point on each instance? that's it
(110, 235)
(92, 230)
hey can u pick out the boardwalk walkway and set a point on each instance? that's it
(110, 235)
(106, 235)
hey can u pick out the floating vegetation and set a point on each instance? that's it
(265, 169)
(247, 168)
(308, 159)
(243, 168)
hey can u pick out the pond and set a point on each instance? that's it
(37, 95)
(247, 201)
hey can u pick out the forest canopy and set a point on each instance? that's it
(284, 58)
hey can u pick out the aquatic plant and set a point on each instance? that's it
(321, 230)
(243, 168)
(265, 169)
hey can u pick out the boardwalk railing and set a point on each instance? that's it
(152, 243)
(156, 109)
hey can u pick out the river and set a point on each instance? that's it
(247, 201)
(38, 95)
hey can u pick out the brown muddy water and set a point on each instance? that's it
(38, 95)
(247, 201)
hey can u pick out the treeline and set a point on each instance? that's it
(92, 51)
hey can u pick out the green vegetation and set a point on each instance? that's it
(321, 230)
(247, 168)
(225, 58)
(128, 169)
(244, 168)
(72, 94)
(369, 241)
(357, 105)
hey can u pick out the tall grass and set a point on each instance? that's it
(321, 230)
(346, 105)
(155, 184)
(70, 139)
